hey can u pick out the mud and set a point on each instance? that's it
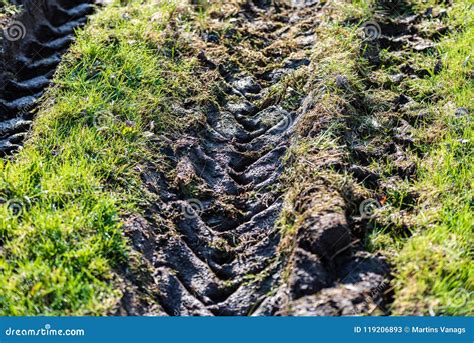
(32, 45)
(211, 242)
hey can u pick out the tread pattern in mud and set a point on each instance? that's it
(228, 237)
(215, 248)
(32, 45)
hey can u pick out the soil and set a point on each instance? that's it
(211, 243)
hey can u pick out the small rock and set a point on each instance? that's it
(467, 61)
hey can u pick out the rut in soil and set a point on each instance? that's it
(215, 250)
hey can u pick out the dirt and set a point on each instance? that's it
(32, 45)
(211, 243)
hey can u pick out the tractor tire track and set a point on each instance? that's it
(215, 248)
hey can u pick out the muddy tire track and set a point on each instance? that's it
(32, 45)
(211, 243)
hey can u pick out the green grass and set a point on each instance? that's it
(5, 10)
(434, 269)
(60, 230)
